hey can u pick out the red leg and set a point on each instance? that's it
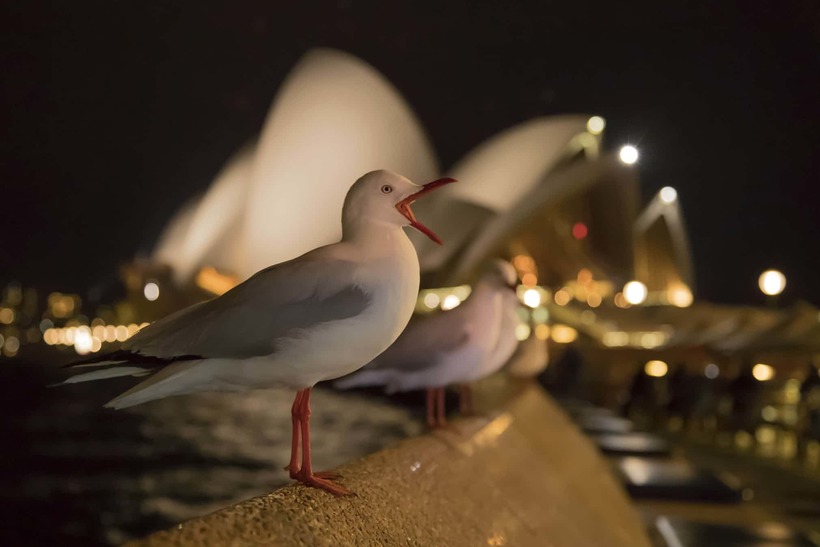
(293, 466)
(441, 418)
(306, 474)
(431, 405)
(465, 400)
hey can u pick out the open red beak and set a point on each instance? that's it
(404, 207)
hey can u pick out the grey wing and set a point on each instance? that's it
(250, 319)
(424, 341)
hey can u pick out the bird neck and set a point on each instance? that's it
(375, 235)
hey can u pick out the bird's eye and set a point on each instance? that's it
(386, 189)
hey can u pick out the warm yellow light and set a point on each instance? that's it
(532, 298)
(529, 279)
(432, 300)
(594, 300)
(562, 297)
(652, 339)
(656, 369)
(11, 346)
(151, 291)
(110, 333)
(96, 344)
(121, 333)
(620, 301)
(450, 302)
(50, 337)
(772, 282)
(563, 334)
(681, 297)
(763, 372)
(133, 328)
(522, 332)
(596, 125)
(542, 332)
(584, 276)
(83, 342)
(635, 292)
(523, 263)
(615, 339)
(668, 194)
(628, 154)
(6, 316)
(462, 292)
(215, 282)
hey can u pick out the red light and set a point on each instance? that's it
(579, 230)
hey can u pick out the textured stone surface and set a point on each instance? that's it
(521, 476)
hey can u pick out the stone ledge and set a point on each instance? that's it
(523, 476)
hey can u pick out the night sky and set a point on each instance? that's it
(114, 113)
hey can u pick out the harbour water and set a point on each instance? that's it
(74, 473)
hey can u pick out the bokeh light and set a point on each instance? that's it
(772, 282)
(628, 154)
(635, 292)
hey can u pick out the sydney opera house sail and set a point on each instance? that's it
(494, 176)
(334, 119)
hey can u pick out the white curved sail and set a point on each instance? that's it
(173, 236)
(502, 169)
(217, 217)
(492, 179)
(334, 119)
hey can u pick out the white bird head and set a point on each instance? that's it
(385, 197)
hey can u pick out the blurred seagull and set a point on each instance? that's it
(316, 317)
(459, 346)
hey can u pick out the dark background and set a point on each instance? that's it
(113, 113)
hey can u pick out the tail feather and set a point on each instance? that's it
(114, 372)
(159, 385)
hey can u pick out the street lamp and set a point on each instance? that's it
(668, 194)
(595, 125)
(635, 292)
(628, 154)
(772, 282)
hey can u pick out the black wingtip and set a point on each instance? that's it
(118, 355)
(126, 356)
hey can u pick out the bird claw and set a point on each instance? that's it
(329, 475)
(296, 474)
(316, 481)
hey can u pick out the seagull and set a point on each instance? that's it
(458, 346)
(316, 317)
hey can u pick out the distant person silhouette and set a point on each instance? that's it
(683, 394)
(647, 399)
(746, 394)
(563, 377)
(808, 428)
